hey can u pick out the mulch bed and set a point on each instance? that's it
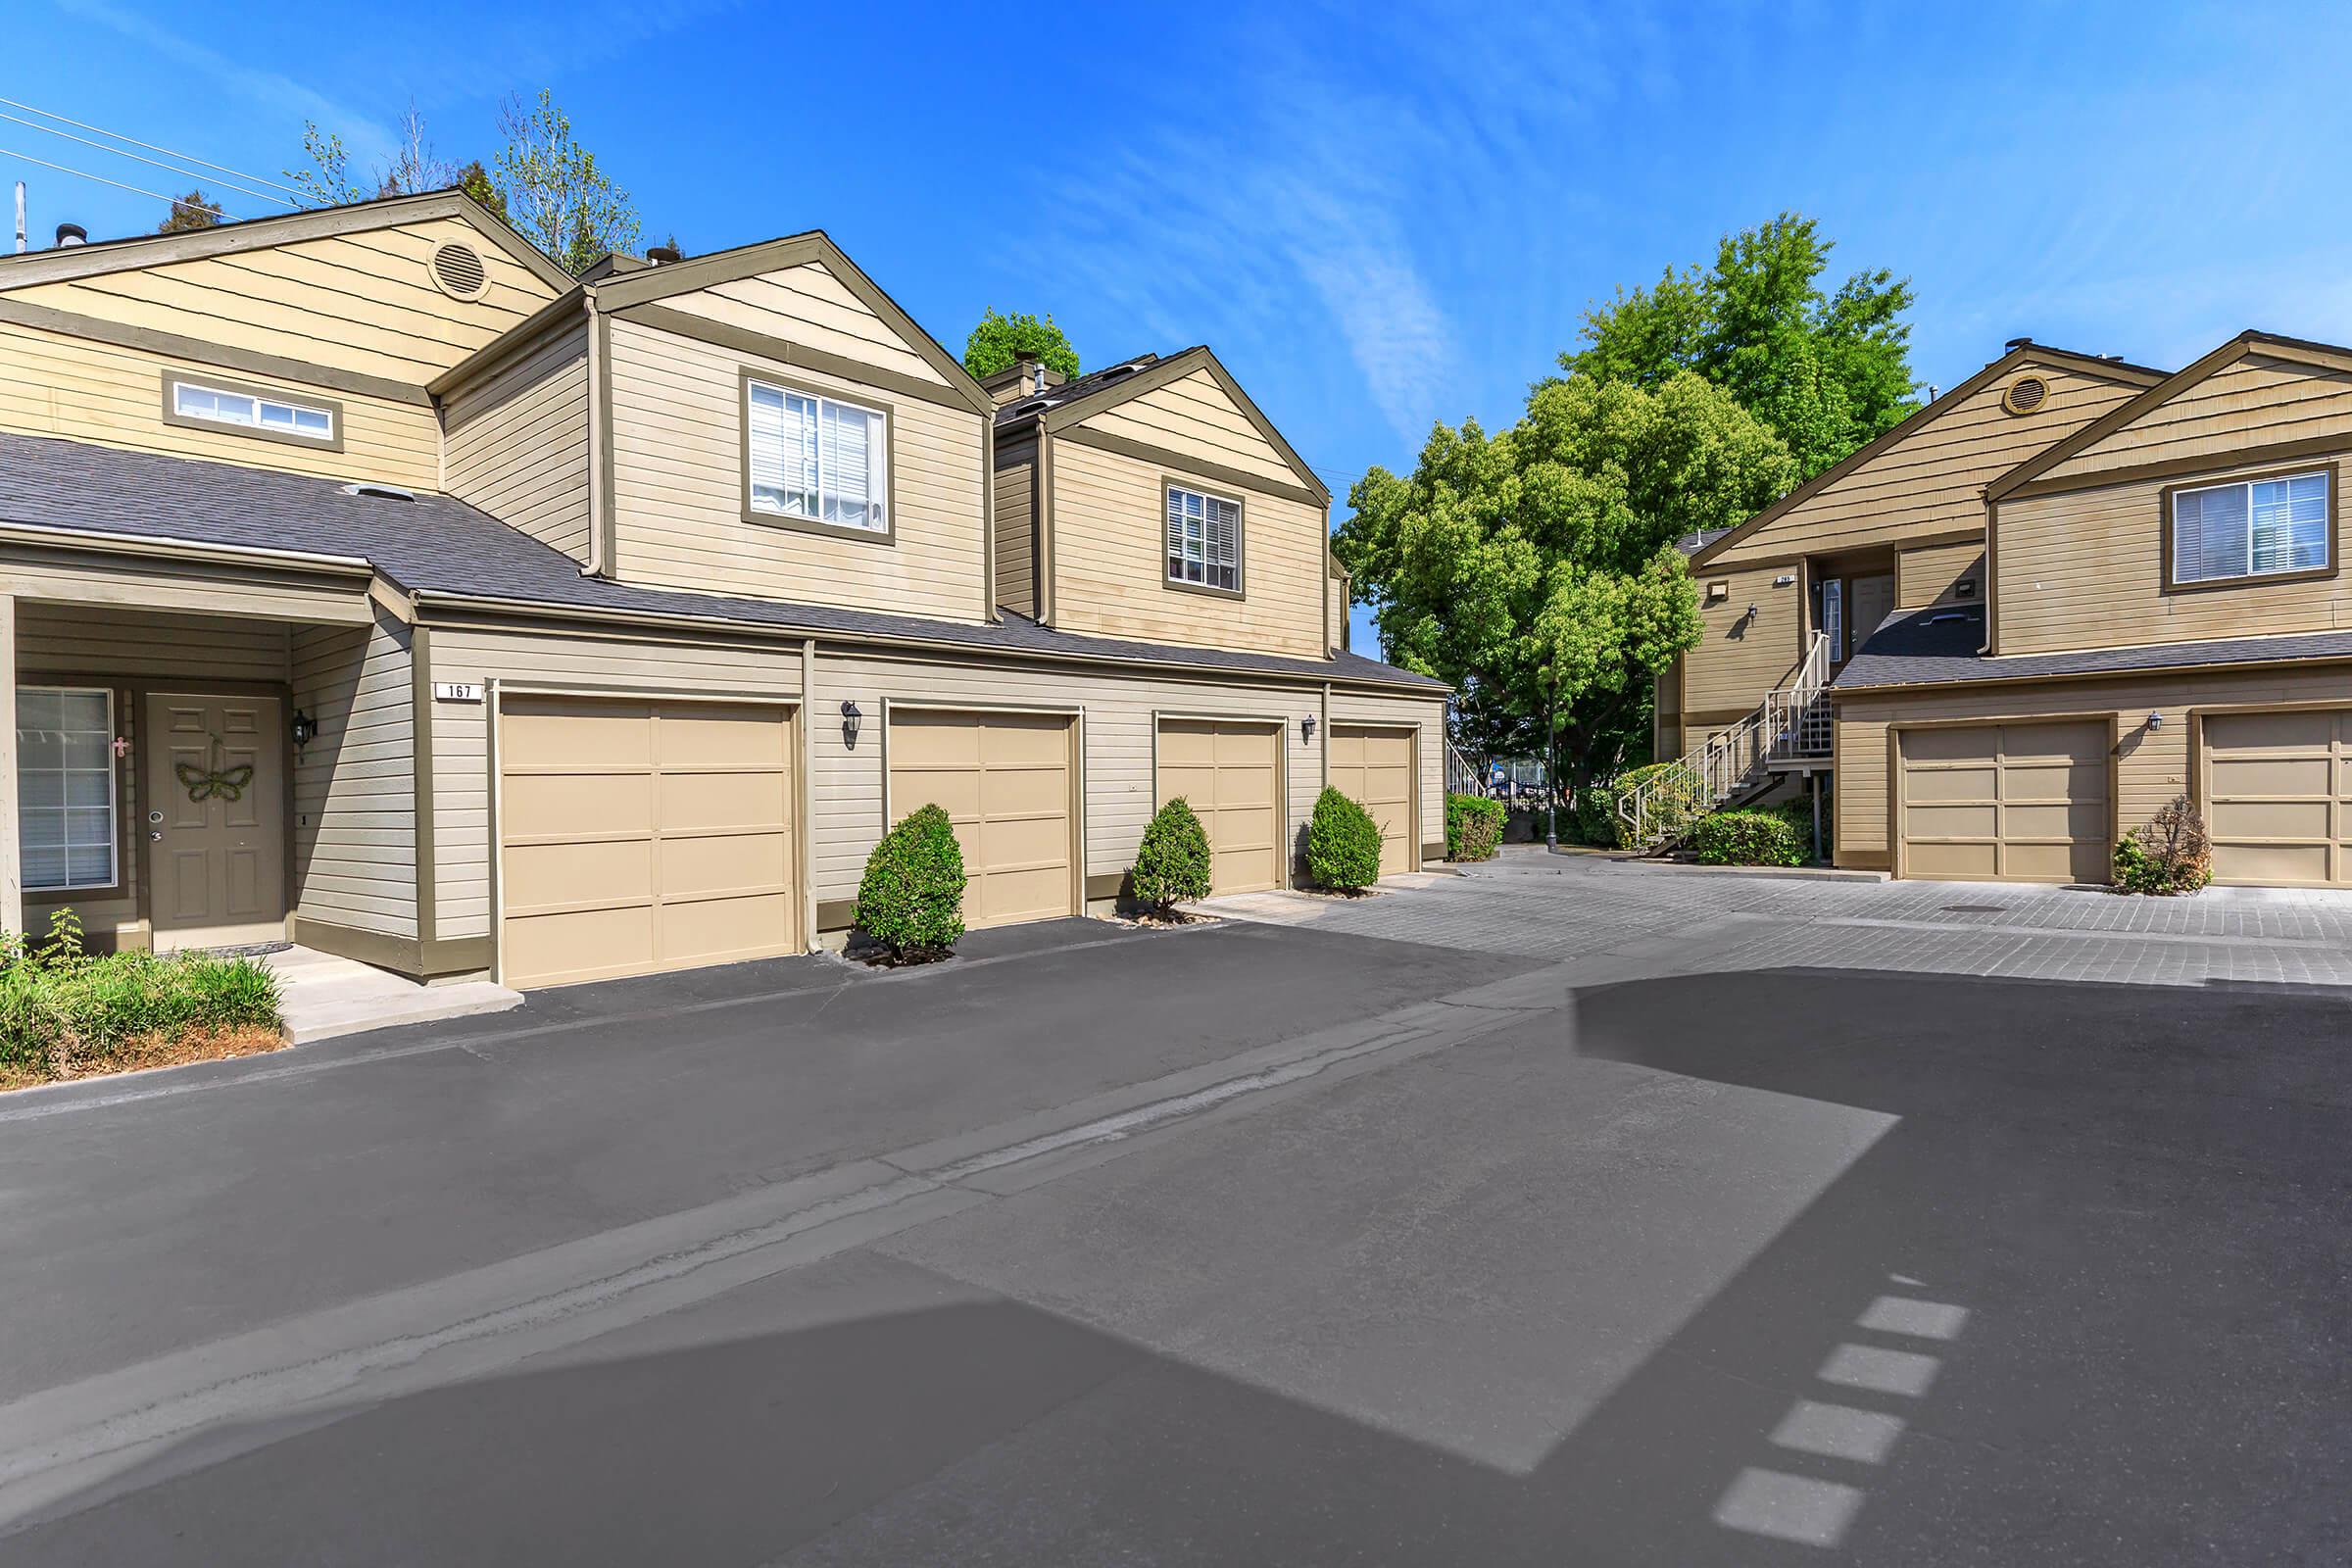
(156, 1050)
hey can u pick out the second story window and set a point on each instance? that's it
(205, 401)
(811, 458)
(1204, 541)
(2265, 527)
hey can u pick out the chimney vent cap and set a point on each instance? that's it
(71, 234)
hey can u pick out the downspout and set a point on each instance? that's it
(599, 439)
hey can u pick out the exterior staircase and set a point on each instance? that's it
(1789, 730)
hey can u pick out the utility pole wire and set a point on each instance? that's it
(136, 190)
(185, 158)
(170, 169)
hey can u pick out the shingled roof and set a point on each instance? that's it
(437, 544)
(1938, 647)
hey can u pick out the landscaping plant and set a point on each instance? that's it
(1771, 837)
(2168, 854)
(1679, 797)
(1343, 843)
(65, 1012)
(1473, 827)
(911, 897)
(1171, 864)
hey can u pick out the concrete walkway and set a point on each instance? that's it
(324, 997)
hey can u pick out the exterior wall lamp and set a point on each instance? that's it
(850, 718)
(304, 729)
(1306, 730)
(2155, 722)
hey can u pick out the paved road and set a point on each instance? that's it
(1275, 1243)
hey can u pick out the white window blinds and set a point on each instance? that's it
(193, 402)
(1205, 539)
(2252, 529)
(65, 788)
(810, 456)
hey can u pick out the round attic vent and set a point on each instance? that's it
(458, 271)
(2026, 394)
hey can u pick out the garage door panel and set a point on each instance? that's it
(1196, 785)
(2052, 781)
(2057, 820)
(2023, 803)
(1005, 782)
(586, 944)
(696, 800)
(2041, 862)
(933, 740)
(721, 737)
(1185, 744)
(1979, 821)
(546, 804)
(1025, 790)
(2269, 819)
(1029, 841)
(1229, 771)
(727, 930)
(2304, 730)
(2271, 775)
(1967, 744)
(578, 872)
(1038, 893)
(540, 732)
(1954, 784)
(957, 792)
(2276, 793)
(724, 862)
(2276, 865)
(1931, 859)
(1018, 740)
(1373, 766)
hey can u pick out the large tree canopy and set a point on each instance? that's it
(1825, 371)
(999, 341)
(1536, 570)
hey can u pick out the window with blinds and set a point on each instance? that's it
(816, 459)
(2256, 528)
(252, 411)
(65, 787)
(1204, 540)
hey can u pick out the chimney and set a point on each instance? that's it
(20, 218)
(661, 256)
(70, 234)
(1033, 380)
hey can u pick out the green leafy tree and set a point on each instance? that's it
(1536, 570)
(999, 341)
(474, 181)
(556, 192)
(1825, 371)
(193, 211)
(326, 179)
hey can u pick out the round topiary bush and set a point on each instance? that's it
(1343, 843)
(911, 898)
(1171, 864)
(1473, 827)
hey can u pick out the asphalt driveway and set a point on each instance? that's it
(1238, 1245)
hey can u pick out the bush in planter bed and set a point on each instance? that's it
(1473, 827)
(911, 897)
(1171, 864)
(64, 1011)
(1749, 838)
(1343, 843)
(1673, 801)
(2168, 854)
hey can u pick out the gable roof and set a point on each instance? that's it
(61, 265)
(644, 285)
(2270, 344)
(1076, 401)
(2021, 352)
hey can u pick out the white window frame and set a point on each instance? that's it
(882, 527)
(113, 798)
(261, 401)
(2247, 569)
(1176, 551)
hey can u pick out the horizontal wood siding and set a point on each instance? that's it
(517, 442)
(85, 390)
(1335, 619)
(133, 652)
(2152, 765)
(1193, 416)
(1110, 576)
(355, 796)
(1737, 660)
(678, 490)
(1934, 481)
(808, 306)
(1016, 578)
(363, 302)
(2257, 400)
(461, 730)
(2084, 569)
(1925, 575)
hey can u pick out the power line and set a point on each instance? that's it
(170, 169)
(136, 190)
(185, 158)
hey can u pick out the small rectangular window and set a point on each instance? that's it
(255, 410)
(1203, 540)
(814, 458)
(65, 787)
(2253, 528)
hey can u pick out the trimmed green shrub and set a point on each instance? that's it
(63, 1009)
(1171, 864)
(1473, 827)
(1750, 838)
(2168, 854)
(911, 897)
(1680, 795)
(1343, 843)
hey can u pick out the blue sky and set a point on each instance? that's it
(1378, 221)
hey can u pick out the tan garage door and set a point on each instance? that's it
(643, 836)
(1231, 774)
(1375, 768)
(2006, 803)
(2278, 794)
(1005, 779)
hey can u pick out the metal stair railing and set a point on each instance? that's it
(1792, 724)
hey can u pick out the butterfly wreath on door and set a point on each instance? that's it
(204, 784)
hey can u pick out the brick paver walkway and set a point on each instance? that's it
(1570, 907)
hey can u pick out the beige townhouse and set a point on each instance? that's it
(375, 585)
(2010, 630)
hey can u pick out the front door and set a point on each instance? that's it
(213, 815)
